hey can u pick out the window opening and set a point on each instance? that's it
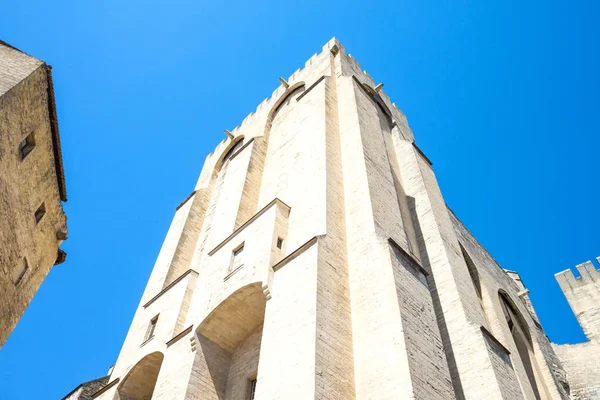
(40, 212)
(26, 146)
(279, 243)
(151, 329)
(22, 271)
(236, 258)
(252, 389)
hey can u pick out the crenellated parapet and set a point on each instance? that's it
(312, 71)
(582, 360)
(583, 295)
(588, 275)
(319, 65)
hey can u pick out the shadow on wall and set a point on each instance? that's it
(140, 381)
(441, 320)
(222, 337)
(522, 337)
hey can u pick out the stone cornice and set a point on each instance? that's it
(245, 224)
(169, 286)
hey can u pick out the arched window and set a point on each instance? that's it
(522, 337)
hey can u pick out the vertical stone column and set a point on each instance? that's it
(334, 355)
(286, 367)
(380, 358)
(182, 256)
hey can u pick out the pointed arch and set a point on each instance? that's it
(235, 317)
(293, 89)
(513, 315)
(522, 337)
(234, 145)
(140, 381)
(229, 338)
(376, 97)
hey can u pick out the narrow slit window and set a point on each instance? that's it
(237, 258)
(252, 389)
(151, 329)
(279, 243)
(21, 271)
(26, 146)
(40, 212)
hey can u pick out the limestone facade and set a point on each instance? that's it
(582, 360)
(316, 259)
(32, 184)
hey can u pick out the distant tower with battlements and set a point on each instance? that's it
(582, 361)
(316, 259)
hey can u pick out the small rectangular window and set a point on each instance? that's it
(252, 389)
(20, 271)
(151, 328)
(237, 258)
(26, 146)
(40, 212)
(238, 251)
(279, 243)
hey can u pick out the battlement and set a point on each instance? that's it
(304, 74)
(583, 295)
(295, 77)
(588, 274)
(317, 66)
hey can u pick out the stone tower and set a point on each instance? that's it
(582, 360)
(316, 259)
(32, 183)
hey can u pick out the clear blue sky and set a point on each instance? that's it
(502, 96)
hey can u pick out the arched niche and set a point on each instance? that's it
(234, 145)
(139, 383)
(523, 341)
(236, 317)
(229, 339)
(380, 103)
(296, 88)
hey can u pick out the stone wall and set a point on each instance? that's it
(493, 281)
(29, 248)
(582, 360)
